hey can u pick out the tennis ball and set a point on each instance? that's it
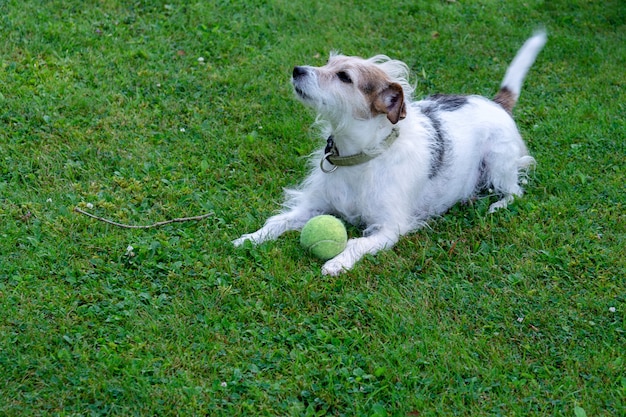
(324, 236)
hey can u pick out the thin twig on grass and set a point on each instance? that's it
(131, 226)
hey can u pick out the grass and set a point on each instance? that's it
(145, 111)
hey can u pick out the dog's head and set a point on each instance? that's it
(354, 88)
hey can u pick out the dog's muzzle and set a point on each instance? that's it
(299, 72)
(298, 79)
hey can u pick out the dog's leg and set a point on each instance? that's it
(383, 238)
(277, 225)
(500, 204)
(504, 174)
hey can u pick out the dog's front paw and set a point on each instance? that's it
(333, 268)
(339, 264)
(244, 238)
(345, 260)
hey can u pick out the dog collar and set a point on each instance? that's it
(332, 157)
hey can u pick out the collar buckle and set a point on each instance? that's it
(329, 151)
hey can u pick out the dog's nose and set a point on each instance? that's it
(299, 72)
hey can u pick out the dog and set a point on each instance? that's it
(391, 163)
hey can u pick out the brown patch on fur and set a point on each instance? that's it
(383, 96)
(371, 80)
(390, 101)
(506, 99)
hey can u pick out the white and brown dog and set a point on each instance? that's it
(391, 163)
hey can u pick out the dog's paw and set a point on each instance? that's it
(243, 239)
(333, 268)
(500, 204)
(339, 264)
(346, 259)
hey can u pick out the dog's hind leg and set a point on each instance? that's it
(504, 175)
(500, 204)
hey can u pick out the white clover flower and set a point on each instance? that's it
(224, 384)
(89, 206)
(612, 309)
(182, 129)
(201, 60)
(49, 200)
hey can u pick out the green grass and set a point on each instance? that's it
(107, 104)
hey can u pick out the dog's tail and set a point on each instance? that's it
(512, 84)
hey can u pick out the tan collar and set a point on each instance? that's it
(331, 154)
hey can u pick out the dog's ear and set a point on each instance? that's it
(390, 101)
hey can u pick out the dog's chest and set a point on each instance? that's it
(353, 195)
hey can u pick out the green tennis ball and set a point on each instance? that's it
(324, 236)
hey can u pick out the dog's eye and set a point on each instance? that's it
(344, 77)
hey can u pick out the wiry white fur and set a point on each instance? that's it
(408, 183)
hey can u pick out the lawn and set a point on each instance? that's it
(145, 111)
